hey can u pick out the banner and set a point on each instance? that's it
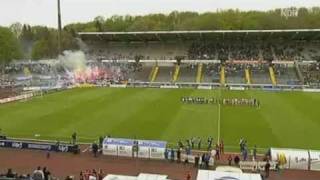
(291, 158)
(15, 98)
(143, 152)
(204, 87)
(118, 85)
(117, 147)
(109, 149)
(124, 147)
(314, 160)
(169, 86)
(310, 90)
(38, 146)
(219, 175)
(156, 148)
(125, 151)
(236, 88)
(256, 165)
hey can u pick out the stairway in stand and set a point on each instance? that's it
(176, 73)
(199, 73)
(272, 76)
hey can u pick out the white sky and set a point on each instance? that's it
(43, 12)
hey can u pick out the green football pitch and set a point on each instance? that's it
(285, 119)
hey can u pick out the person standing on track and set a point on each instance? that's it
(189, 176)
(254, 153)
(95, 149)
(221, 145)
(172, 155)
(267, 169)
(74, 138)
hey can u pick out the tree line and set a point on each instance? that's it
(38, 42)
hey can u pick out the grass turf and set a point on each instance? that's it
(285, 119)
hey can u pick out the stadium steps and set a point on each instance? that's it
(272, 76)
(199, 73)
(298, 72)
(151, 72)
(222, 76)
(248, 77)
(176, 73)
(155, 73)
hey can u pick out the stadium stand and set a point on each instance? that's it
(271, 57)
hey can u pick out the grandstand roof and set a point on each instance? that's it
(289, 34)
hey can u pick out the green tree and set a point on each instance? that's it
(9, 46)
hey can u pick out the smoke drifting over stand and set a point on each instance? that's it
(77, 66)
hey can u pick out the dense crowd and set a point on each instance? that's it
(29, 68)
(248, 51)
(311, 73)
(38, 174)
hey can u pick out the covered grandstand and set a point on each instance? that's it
(213, 56)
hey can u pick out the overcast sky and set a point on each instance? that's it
(43, 12)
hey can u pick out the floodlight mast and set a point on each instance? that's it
(59, 28)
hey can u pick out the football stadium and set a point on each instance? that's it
(124, 98)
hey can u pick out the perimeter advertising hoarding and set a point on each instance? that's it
(38, 146)
(217, 175)
(314, 160)
(291, 158)
(156, 148)
(117, 147)
(123, 147)
(109, 149)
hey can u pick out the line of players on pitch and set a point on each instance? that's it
(252, 102)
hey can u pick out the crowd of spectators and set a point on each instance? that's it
(38, 174)
(311, 73)
(248, 51)
(92, 174)
(29, 68)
